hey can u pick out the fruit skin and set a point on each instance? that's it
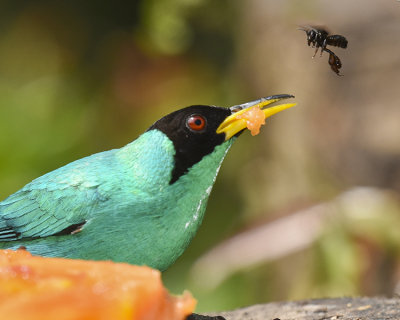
(39, 288)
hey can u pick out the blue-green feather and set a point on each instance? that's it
(129, 209)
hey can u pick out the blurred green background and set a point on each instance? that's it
(308, 208)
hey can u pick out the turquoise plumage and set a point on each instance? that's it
(141, 204)
(116, 182)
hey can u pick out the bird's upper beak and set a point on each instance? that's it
(232, 125)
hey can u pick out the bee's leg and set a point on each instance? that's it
(323, 47)
(316, 50)
(334, 62)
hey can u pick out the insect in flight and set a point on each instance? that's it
(318, 37)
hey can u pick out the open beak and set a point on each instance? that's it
(232, 125)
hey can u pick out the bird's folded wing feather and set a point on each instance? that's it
(53, 202)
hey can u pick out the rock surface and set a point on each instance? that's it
(322, 309)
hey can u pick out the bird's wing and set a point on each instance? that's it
(55, 202)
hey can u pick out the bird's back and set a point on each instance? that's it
(56, 200)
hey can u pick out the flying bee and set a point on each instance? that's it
(320, 38)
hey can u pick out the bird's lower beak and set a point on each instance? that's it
(234, 124)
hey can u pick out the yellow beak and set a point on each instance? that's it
(232, 125)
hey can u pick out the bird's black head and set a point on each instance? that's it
(193, 133)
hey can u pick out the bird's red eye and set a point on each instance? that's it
(196, 122)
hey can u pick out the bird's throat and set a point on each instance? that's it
(192, 191)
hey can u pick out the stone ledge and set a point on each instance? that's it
(377, 308)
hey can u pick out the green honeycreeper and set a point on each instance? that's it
(140, 204)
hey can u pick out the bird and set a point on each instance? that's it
(140, 204)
